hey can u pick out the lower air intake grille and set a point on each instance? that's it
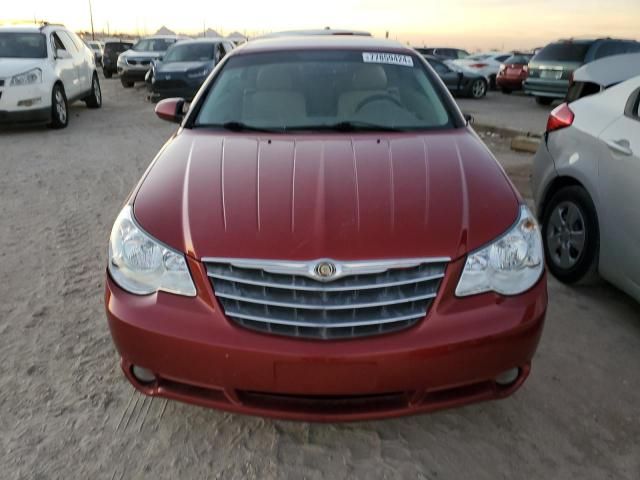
(366, 298)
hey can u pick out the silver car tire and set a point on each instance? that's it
(571, 235)
(59, 107)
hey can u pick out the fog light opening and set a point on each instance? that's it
(143, 375)
(29, 102)
(508, 377)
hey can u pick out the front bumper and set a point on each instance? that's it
(448, 359)
(132, 75)
(14, 110)
(26, 116)
(161, 89)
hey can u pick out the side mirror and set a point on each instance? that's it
(62, 54)
(469, 118)
(171, 110)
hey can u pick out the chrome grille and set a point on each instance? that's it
(366, 298)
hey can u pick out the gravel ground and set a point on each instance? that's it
(66, 410)
(515, 111)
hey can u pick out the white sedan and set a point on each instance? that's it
(486, 64)
(586, 176)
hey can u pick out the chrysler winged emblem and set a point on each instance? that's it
(324, 270)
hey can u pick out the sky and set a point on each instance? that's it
(470, 24)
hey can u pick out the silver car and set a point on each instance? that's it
(134, 64)
(586, 178)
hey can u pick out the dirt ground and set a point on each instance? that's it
(515, 111)
(66, 411)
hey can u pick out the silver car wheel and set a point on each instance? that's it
(566, 235)
(478, 89)
(61, 107)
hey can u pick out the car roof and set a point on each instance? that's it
(172, 37)
(609, 70)
(315, 32)
(202, 40)
(30, 28)
(119, 40)
(332, 42)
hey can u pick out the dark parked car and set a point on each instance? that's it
(551, 69)
(459, 82)
(113, 48)
(185, 66)
(443, 53)
(513, 72)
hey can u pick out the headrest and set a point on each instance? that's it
(370, 77)
(274, 77)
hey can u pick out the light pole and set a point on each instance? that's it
(93, 35)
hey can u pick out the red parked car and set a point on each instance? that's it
(513, 72)
(325, 238)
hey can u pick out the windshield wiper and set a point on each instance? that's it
(235, 126)
(351, 126)
(347, 126)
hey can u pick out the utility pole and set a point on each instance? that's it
(93, 35)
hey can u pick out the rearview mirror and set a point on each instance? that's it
(171, 110)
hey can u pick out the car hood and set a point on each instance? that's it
(15, 66)
(181, 67)
(338, 196)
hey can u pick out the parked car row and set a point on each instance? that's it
(551, 70)
(545, 74)
(171, 65)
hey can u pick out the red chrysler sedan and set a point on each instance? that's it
(325, 238)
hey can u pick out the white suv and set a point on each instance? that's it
(42, 70)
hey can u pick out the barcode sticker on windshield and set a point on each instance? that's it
(390, 58)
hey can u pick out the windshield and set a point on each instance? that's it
(563, 52)
(154, 44)
(94, 46)
(325, 89)
(194, 52)
(22, 45)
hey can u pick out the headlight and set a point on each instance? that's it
(198, 73)
(27, 78)
(122, 60)
(510, 265)
(142, 265)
